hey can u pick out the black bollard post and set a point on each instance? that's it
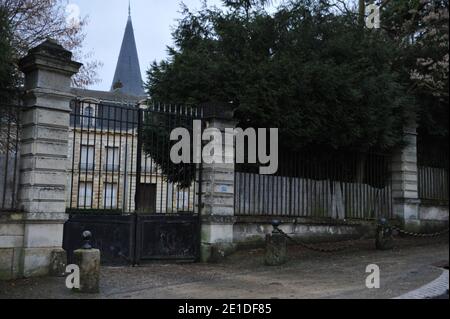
(87, 236)
(384, 237)
(276, 246)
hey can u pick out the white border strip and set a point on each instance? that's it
(434, 289)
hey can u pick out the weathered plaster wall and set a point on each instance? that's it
(251, 232)
(12, 231)
(433, 212)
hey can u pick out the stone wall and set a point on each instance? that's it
(434, 217)
(8, 180)
(28, 239)
(433, 212)
(12, 230)
(167, 195)
(250, 232)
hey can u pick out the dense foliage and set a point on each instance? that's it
(421, 29)
(6, 77)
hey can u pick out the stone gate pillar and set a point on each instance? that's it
(405, 181)
(48, 69)
(217, 189)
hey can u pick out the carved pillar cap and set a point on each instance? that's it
(49, 55)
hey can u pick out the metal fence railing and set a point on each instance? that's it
(120, 160)
(102, 146)
(10, 108)
(341, 185)
(433, 164)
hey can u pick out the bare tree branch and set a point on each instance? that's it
(33, 21)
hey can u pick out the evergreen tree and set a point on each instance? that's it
(6, 53)
(316, 75)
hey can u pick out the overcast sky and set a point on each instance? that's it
(153, 21)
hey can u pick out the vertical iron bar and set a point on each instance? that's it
(100, 168)
(125, 171)
(160, 148)
(16, 158)
(74, 130)
(79, 157)
(87, 154)
(200, 177)
(113, 170)
(135, 134)
(7, 156)
(137, 195)
(94, 155)
(107, 183)
(291, 173)
(120, 154)
(169, 167)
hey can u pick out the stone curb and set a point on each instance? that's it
(434, 289)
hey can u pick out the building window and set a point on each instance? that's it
(112, 159)
(183, 199)
(148, 166)
(85, 195)
(110, 199)
(87, 158)
(88, 115)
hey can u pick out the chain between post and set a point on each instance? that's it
(351, 243)
(319, 249)
(419, 235)
(407, 233)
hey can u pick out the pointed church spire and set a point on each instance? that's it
(127, 78)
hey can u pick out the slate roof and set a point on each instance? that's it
(128, 71)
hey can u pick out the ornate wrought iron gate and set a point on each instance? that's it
(167, 196)
(125, 189)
